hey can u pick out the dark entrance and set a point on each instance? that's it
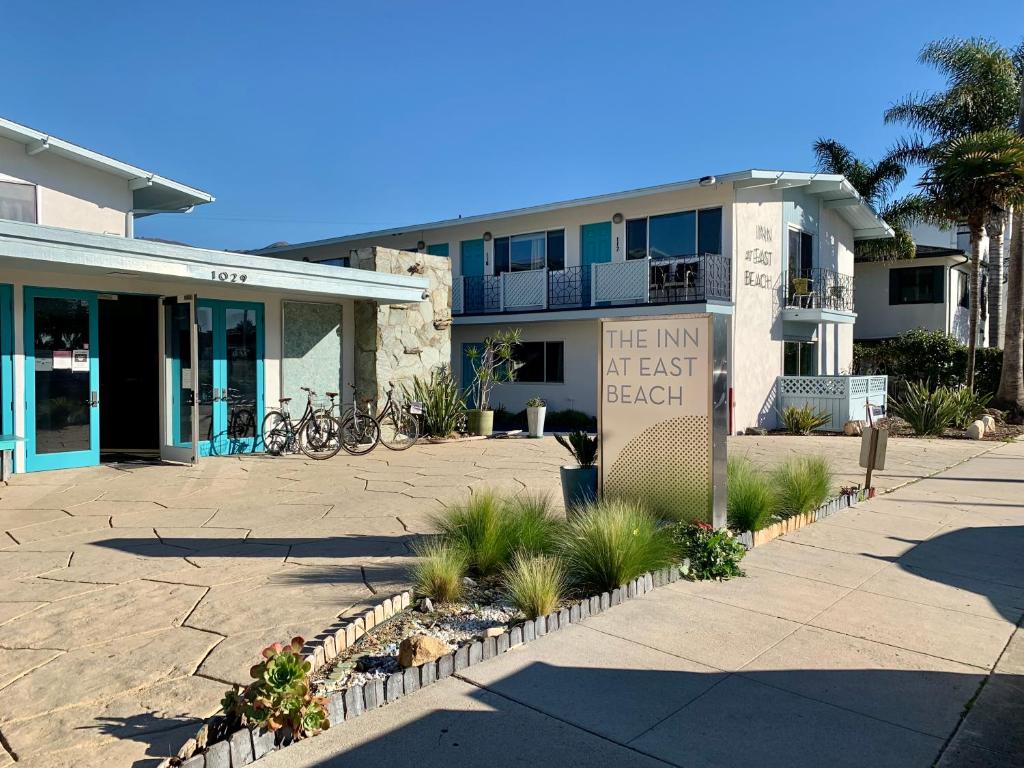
(129, 384)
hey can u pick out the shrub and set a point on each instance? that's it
(493, 363)
(927, 412)
(279, 695)
(751, 500)
(535, 585)
(581, 445)
(612, 541)
(476, 528)
(708, 553)
(803, 420)
(535, 402)
(802, 484)
(530, 528)
(438, 574)
(970, 406)
(444, 408)
(570, 420)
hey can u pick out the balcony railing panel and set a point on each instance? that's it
(482, 294)
(525, 290)
(818, 288)
(569, 287)
(457, 292)
(620, 281)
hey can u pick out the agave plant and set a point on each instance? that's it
(581, 445)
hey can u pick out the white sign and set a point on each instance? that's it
(80, 361)
(186, 378)
(44, 363)
(62, 359)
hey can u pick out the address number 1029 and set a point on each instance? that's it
(228, 277)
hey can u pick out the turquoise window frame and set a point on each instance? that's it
(7, 359)
(438, 249)
(176, 393)
(68, 459)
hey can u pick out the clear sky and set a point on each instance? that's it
(313, 119)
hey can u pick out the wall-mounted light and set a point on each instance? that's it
(707, 181)
(617, 218)
(487, 237)
(420, 245)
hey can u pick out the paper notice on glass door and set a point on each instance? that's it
(80, 361)
(186, 378)
(62, 359)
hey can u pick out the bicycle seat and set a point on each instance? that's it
(331, 395)
(286, 400)
(306, 389)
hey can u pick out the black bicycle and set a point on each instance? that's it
(360, 431)
(317, 434)
(399, 427)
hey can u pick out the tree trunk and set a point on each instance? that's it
(996, 320)
(977, 230)
(1010, 394)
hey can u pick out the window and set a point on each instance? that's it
(438, 249)
(801, 253)
(675, 234)
(343, 261)
(916, 285)
(543, 362)
(535, 250)
(18, 201)
(800, 358)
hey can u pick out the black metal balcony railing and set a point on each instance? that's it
(818, 288)
(691, 279)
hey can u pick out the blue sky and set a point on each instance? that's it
(313, 119)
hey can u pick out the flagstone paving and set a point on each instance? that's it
(134, 595)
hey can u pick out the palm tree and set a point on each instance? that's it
(967, 179)
(994, 227)
(875, 182)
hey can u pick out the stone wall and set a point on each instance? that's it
(394, 343)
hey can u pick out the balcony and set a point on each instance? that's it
(693, 279)
(818, 295)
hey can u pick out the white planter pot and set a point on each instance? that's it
(535, 420)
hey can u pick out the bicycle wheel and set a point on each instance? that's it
(321, 437)
(276, 433)
(360, 434)
(399, 429)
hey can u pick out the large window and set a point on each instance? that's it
(917, 285)
(535, 250)
(801, 253)
(800, 358)
(18, 201)
(543, 362)
(675, 234)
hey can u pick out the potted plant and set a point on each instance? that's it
(579, 481)
(493, 363)
(536, 409)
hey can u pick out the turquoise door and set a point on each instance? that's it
(472, 252)
(230, 376)
(596, 243)
(6, 360)
(61, 379)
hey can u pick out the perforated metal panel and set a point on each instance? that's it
(667, 465)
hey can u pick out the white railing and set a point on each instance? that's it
(625, 281)
(524, 290)
(842, 397)
(457, 294)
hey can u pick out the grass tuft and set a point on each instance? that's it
(613, 541)
(802, 484)
(475, 527)
(751, 499)
(535, 585)
(529, 525)
(438, 574)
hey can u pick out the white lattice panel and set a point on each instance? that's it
(815, 386)
(620, 281)
(525, 289)
(457, 293)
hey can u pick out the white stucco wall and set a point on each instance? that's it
(69, 194)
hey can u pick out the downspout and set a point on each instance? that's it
(129, 217)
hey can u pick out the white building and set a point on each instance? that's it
(113, 347)
(772, 250)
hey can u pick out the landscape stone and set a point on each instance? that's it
(241, 748)
(411, 681)
(853, 428)
(552, 621)
(476, 650)
(515, 636)
(493, 631)
(490, 648)
(263, 740)
(445, 666)
(529, 631)
(541, 625)
(976, 431)
(395, 686)
(197, 761)
(353, 702)
(428, 674)
(648, 582)
(420, 649)
(218, 755)
(461, 658)
(563, 618)
(574, 613)
(502, 643)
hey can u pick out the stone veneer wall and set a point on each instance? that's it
(394, 343)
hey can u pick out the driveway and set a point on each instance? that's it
(136, 594)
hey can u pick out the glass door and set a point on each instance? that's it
(61, 379)
(230, 368)
(179, 376)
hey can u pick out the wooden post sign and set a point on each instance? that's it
(662, 415)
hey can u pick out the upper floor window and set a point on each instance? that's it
(801, 252)
(535, 250)
(18, 202)
(342, 261)
(675, 234)
(917, 285)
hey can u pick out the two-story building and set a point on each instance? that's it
(772, 250)
(115, 347)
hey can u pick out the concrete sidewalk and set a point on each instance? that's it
(857, 641)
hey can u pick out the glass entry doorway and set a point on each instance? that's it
(229, 376)
(179, 357)
(61, 379)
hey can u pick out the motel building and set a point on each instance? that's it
(115, 348)
(771, 250)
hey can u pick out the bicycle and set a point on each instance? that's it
(399, 427)
(360, 431)
(317, 434)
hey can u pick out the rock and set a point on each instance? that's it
(757, 431)
(853, 428)
(426, 606)
(419, 649)
(976, 431)
(468, 581)
(188, 749)
(989, 422)
(494, 631)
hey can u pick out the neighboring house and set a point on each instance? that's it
(112, 347)
(772, 250)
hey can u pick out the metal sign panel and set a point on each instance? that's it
(660, 381)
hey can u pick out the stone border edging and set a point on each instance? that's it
(751, 539)
(247, 745)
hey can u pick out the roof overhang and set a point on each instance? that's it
(151, 192)
(35, 247)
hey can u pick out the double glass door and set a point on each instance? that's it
(229, 376)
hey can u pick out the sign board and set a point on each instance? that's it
(873, 441)
(660, 378)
